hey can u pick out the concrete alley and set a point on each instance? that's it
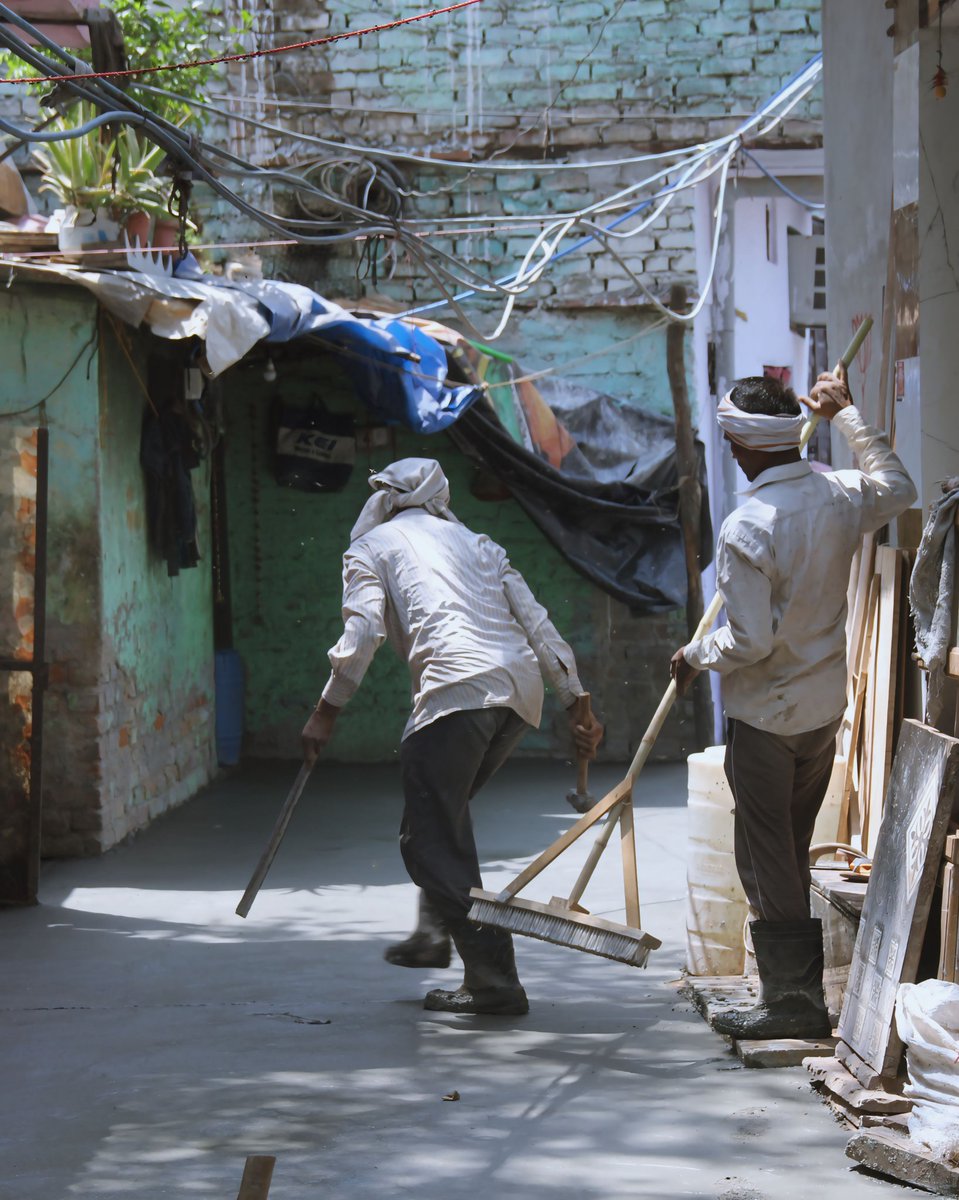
(154, 1039)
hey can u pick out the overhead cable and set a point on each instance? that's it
(132, 72)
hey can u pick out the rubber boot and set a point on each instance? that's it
(427, 946)
(490, 983)
(789, 956)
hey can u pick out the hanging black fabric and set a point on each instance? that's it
(622, 534)
(167, 455)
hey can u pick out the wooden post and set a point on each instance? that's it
(257, 1176)
(690, 502)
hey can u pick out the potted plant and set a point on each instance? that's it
(103, 182)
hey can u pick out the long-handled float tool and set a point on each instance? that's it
(564, 921)
(581, 800)
(268, 855)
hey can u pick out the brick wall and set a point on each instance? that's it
(514, 79)
(129, 710)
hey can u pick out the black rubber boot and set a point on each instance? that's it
(789, 956)
(427, 946)
(490, 983)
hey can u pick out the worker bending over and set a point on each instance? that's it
(478, 645)
(782, 566)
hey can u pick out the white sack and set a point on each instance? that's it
(927, 1018)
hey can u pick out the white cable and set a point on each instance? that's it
(426, 160)
(718, 220)
(791, 95)
(523, 116)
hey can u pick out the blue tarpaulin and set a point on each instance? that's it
(397, 368)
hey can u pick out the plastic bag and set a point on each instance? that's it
(927, 1018)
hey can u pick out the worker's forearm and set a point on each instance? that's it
(350, 658)
(726, 650)
(554, 655)
(892, 490)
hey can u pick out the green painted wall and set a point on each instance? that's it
(286, 548)
(157, 649)
(129, 709)
(285, 557)
(48, 347)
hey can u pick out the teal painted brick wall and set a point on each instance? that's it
(128, 729)
(156, 682)
(478, 83)
(43, 332)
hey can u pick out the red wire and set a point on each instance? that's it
(228, 58)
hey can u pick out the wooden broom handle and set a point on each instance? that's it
(595, 855)
(583, 715)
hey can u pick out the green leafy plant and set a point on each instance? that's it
(156, 32)
(120, 172)
(93, 171)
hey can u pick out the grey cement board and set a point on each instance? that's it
(919, 803)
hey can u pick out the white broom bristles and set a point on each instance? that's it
(628, 946)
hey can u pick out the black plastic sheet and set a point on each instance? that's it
(611, 507)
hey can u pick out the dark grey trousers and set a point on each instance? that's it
(778, 783)
(444, 765)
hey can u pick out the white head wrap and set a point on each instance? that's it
(758, 431)
(409, 483)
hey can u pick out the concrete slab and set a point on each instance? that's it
(153, 1039)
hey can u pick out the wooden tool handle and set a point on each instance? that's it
(583, 715)
(846, 361)
(596, 852)
(279, 829)
(257, 1176)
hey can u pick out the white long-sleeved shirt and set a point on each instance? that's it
(452, 606)
(782, 567)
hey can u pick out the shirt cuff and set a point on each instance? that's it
(692, 654)
(570, 693)
(848, 420)
(338, 690)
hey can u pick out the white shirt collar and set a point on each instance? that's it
(792, 470)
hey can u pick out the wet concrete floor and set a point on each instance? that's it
(153, 1039)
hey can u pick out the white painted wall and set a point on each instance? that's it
(858, 143)
(938, 268)
(761, 287)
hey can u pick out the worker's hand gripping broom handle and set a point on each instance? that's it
(712, 612)
(846, 361)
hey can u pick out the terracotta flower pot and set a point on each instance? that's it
(166, 233)
(137, 226)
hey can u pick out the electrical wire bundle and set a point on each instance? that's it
(351, 191)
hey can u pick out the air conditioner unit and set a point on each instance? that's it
(807, 279)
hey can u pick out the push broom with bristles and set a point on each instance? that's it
(563, 921)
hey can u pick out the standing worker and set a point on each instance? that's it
(782, 565)
(478, 645)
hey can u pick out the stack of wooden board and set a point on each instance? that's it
(949, 925)
(883, 685)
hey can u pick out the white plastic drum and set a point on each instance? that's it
(716, 907)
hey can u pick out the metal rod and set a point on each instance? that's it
(39, 666)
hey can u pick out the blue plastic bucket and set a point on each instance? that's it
(230, 687)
